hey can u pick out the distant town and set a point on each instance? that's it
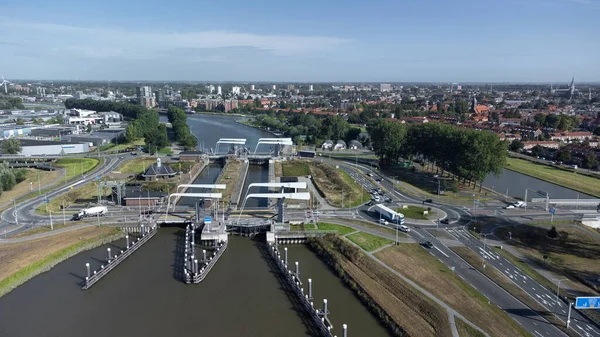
(555, 121)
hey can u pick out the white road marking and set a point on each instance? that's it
(441, 252)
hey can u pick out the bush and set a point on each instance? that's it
(552, 233)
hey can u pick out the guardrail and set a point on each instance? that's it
(567, 201)
(91, 279)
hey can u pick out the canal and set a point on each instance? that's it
(516, 183)
(242, 296)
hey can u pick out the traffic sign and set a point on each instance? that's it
(97, 177)
(552, 210)
(587, 303)
(207, 220)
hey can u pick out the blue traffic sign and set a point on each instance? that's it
(97, 177)
(207, 220)
(587, 303)
(552, 210)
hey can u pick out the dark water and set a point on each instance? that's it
(516, 183)
(142, 297)
(208, 176)
(256, 174)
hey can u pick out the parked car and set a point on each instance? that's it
(76, 217)
(445, 221)
(427, 244)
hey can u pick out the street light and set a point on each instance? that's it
(557, 291)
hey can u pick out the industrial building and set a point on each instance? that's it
(34, 147)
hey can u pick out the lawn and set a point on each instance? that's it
(77, 166)
(303, 227)
(417, 264)
(342, 230)
(120, 147)
(295, 168)
(572, 180)
(368, 242)
(574, 254)
(230, 177)
(165, 150)
(415, 212)
(465, 330)
(495, 275)
(337, 186)
(376, 227)
(84, 194)
(136, 166)
(33, 179)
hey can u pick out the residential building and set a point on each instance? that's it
(158, 171)
(236, 90)
(219, 90)
(385, 87)
(144, 91)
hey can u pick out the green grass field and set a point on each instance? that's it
(137, 165)
(414, 212)
(572, 180)
(368, 242)
(76, 166)
(295, 169)
(342, 230)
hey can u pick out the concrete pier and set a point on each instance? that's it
(294, 237)
(114, 260)
(319, 317)
(195, 270)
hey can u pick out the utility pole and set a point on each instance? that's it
(63, 209)
(51, 225)
(16, 213)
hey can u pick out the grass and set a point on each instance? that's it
(376, 227)
(303, 227)
(572, 180)
(405, 310)
(415, 212)
(120, 147)
(574, 254)
(22, 261)
(368, 242)
(465, 330)
(420, 266)
(33, 176)
(136, 166)
(337, 185)
(77, 166)
(295, 169)
(552, 223)
(342, 230)
(165, 150)
(230, 177)
(504, 282)
(84, 194)
(58, 224)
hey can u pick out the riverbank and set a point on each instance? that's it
(22, 261)
(402, 309)
(582, 183)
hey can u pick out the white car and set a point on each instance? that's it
(404, 228)
(377, 198)
(509, 207)
(383, 222)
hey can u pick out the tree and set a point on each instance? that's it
(20, 121)
(537, 150)
(516, 145)
(597, 131)
(563, 155)
(552, 233)
(88, 128)
(494, 117)
(11, 146)
(590, 161)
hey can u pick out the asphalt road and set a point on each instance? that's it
(459, 217)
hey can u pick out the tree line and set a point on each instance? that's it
(143, 122)
(10, 177)
(181, 131)
(467, 154)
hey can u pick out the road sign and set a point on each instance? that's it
(97, 177)
(587, 303)
(207, 220)
(542, 193)
(552, 210)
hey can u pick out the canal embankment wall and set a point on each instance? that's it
(191, 177)
(237, 192)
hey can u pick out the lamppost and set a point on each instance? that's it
(557, 291)
(397, 231)
(16, 215)
(484, 243)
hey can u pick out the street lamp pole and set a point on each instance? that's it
(16, 215)
(396, 231)
(557, 292)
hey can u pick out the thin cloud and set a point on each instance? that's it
(120, 43)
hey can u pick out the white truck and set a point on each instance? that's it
(93, 211)
(389, 214)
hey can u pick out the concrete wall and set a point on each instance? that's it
(141, 202)
(55, 149)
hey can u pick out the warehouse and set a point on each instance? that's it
(32, 147)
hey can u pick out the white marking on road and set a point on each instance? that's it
(441, 252)
(538, 333)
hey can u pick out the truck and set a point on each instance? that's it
(389, 214)
(93, 211)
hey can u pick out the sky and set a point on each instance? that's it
(302, 41)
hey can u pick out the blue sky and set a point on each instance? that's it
(313, 41)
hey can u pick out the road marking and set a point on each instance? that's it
(441, 252)
(538, 333)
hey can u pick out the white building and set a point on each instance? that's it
(383, 87)
(235, 90)
(274, 87)
(219, 90)
(81, 112)
(252, 87)
(310, 87)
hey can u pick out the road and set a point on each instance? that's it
(460, 217)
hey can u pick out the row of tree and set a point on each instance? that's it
(467, 154)
(10, 177)
(143, 122)
(181, 131)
